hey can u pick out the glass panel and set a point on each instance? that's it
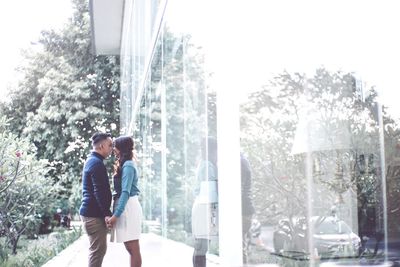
(321, 142)
(317, 163)
(139, 26)
(189, 118)
(318, 129)
(148, 133)
(176, 117)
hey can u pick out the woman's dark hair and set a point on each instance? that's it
(125, 146)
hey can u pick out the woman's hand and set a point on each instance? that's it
(111, 221)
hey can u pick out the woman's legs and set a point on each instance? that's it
(200, 251)
(134, 251)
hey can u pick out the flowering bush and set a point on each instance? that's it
(24, 189)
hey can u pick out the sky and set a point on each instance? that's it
(21, 22)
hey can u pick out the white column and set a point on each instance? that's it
(229, 184)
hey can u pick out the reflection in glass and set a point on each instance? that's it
(322, 149)
(176, 113)
(295, 121)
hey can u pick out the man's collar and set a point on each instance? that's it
(97, 154)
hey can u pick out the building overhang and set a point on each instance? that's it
(106, 18)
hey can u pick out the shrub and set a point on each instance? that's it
(39, 251)
(24, 189)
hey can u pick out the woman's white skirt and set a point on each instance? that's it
(129, 225)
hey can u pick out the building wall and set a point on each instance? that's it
(282, 87)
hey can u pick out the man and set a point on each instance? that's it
(96, 201)
(247, 204)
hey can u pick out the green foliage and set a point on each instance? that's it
(25, 192)
(38, 252)
(65, 94)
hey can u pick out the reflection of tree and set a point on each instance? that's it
(278, 175)
(393, 185)
(177, 71)
(345, 159)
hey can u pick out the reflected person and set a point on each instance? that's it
(247, 204)
(205, 206)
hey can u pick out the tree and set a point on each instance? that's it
(66, 94)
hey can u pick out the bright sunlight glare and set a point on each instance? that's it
(262, 38)
(21, 22)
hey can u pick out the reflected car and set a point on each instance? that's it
(332, 237)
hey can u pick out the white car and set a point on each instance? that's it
(332, 238)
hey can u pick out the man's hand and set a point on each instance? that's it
(111, 221)
(107, 219)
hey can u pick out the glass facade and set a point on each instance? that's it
(267, 131)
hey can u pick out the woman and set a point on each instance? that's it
(205, 217)
(127, 216)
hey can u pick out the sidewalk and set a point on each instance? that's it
(156, 251)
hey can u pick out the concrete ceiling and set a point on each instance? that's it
(106, 26)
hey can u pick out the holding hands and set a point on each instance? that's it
(110, 221)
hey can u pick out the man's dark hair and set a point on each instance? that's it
(98, 137)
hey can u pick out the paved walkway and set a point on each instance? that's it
(156, 251)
